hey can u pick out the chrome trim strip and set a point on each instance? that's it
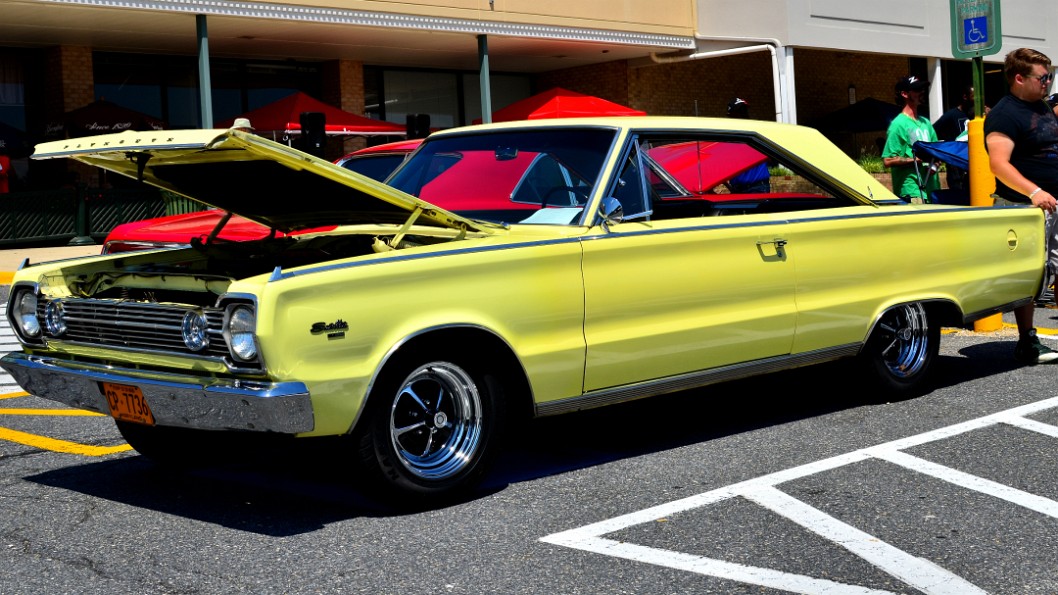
(183, 400)
(975, 316)
(604, 235)
(691, 380)
(404, 257)
(363, 18)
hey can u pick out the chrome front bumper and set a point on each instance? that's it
(175, 399)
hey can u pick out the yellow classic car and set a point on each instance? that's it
(570, 264)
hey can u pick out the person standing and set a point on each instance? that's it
(242, 125)
(950, 126)
(1021, 137)
(905, 129)
(952, 123)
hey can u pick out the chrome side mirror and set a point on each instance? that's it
(611, 211)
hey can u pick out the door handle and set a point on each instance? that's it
(780, 245)
(779, 242)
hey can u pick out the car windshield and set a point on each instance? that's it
(531, 176)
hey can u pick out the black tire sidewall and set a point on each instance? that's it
(377, 455)
(888, 384)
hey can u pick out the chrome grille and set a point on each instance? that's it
(135, 325)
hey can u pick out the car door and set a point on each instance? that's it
(669, 296)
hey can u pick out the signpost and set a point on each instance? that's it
(976, 32)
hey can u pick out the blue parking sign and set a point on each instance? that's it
(975, 30)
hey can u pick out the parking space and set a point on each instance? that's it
(21, 416)
(813, 500)
(933, 513)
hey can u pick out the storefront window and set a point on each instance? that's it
(130, 80)
(505, 90)
(411, 92)
(449, 98)
(167, 87)
(12, 93)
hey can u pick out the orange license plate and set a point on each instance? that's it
(127, 403)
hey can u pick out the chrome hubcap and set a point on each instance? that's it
(435, 421)
(905, 339)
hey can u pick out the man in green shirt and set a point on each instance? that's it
(905, 129)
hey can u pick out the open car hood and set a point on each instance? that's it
(251, 176)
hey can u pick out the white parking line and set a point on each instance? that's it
(915, 571)
(920, 573)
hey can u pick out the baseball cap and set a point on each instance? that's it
(912, 83)
(737, 105)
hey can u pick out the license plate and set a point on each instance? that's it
(127, 403)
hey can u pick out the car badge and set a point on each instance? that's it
(334, 330)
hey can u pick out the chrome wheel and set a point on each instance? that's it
(900, 351)
(904, 340)
(435, 421)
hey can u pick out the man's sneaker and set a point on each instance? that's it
(1030, 351)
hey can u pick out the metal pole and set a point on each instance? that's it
(483, 76)
(205, 89)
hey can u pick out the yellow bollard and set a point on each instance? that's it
(982, 185)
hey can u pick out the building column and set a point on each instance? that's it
(343, 87)
(70, 83)
(936, 89)
(788, 90)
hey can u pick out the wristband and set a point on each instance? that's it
(1033, 193)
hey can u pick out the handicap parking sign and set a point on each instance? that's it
(975, 28)
(975, 31)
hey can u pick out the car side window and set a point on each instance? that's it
(695, 177)
(548, 183)
(630, 188)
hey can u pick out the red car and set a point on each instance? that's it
(374, 162)
(683, 176)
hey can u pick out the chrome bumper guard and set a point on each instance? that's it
(175, 399)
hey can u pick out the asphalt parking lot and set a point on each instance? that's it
(801, 489)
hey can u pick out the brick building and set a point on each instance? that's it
(793, 61)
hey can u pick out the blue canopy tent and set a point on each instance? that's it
(953, 153)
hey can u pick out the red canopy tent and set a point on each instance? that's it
(562, 103)
(284, 117)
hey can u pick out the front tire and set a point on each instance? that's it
(901, 350)
(432, 428)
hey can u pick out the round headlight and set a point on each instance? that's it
(55, 318)
(25, 314)
(241, 327)
(194, 329)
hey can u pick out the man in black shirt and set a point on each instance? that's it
(949, 126)
(1021, 136)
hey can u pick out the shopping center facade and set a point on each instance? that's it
(792, 60)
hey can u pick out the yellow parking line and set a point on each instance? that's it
(55, 445)
(62, 412)
(1039, 331)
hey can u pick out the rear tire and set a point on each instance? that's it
(432, 428)
(901, 350)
